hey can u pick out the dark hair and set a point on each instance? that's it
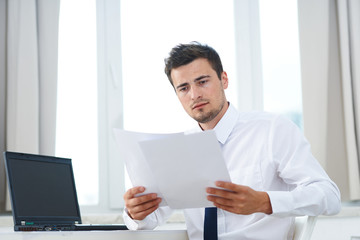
(183, 54)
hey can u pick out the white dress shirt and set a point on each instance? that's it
(267, 153)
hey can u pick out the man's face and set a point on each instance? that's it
(200, 90)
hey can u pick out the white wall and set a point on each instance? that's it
(340, 227)
(336, 228)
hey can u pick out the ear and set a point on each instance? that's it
(224, 80)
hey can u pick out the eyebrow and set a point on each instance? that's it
(196, 80)
(201, 77)
(182, 85)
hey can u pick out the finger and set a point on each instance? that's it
(141, 215)
(221, 193)
(229, 186)
(226, 208)
(133, 191)
(145, 206)
(221, 201)
(135, 201)
(230, 205)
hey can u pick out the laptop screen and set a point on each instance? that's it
(42, 188)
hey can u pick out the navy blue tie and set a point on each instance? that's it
(210, 224)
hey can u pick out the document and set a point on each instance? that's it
(178, 167)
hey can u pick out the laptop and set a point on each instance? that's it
(43, 194)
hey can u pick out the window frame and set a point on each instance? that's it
(248, 55)
(110, 108)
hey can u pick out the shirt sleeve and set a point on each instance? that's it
(157, 218)
(311, 191)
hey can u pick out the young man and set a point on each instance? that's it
(274, 176)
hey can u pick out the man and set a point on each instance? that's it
(274, 175)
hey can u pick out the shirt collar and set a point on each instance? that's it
(226, 124)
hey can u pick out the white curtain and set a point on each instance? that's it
(2, 100)
(349, 20)
(32, 40)
(330, 60)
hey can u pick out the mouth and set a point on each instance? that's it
(199, 105)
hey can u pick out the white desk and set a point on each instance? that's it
(7, 233)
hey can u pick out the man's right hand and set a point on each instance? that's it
(140, 207)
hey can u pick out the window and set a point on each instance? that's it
(281, 58)
(108, 79)
(90, 100)
(77, 126)
(149, 30)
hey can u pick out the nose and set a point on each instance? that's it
(195, 93)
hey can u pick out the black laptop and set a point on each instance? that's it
(43, 194)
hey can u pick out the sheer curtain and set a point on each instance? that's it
(349, 19)
(330, 52)
(2, 100)
(31, 67)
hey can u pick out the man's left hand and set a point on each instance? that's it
(239, 199)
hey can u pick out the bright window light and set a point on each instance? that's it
(76, 133)
(281, 58)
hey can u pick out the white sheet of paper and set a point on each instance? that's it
(184, 166)
(137, 167)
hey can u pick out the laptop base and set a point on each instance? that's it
(76, 227)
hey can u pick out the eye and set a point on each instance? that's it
(202, 82)
(183, 89)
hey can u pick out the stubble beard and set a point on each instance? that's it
(206, 117)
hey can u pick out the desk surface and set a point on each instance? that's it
(7, 233)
